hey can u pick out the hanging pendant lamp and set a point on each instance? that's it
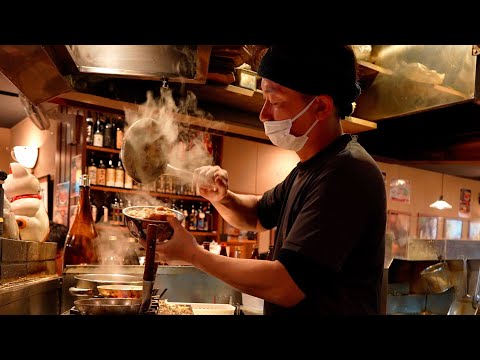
(441, 204)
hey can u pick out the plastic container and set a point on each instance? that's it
(252, 305)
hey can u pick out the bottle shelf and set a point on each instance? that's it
(151, 193)
(103, 149)
(107, 227)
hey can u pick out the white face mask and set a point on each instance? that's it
(278, 131)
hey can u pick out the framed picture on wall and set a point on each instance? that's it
(427, 226)
(46, 191)
(398, 228)
(452, 229)
(474, 229)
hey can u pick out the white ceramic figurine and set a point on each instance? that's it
(22, 189)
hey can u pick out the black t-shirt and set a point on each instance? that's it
(330, 214)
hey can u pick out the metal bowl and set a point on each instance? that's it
(138, 226)
(108, 306)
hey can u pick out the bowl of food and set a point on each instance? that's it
(138, 218)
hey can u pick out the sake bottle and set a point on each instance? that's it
(81, 244)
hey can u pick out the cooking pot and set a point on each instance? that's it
(108, 306)
(87, 283)
(437, 277)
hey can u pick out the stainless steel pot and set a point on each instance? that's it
(87, 283)
(437, 277)
(108, 306)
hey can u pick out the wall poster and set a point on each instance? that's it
(398, 228)
(453, 229)
(400, 190)
(427, 227)
(474, 229)
(465, 198)
(60, 209)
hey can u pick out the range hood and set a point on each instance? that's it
(44, 72)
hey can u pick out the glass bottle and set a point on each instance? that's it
(119, 134)
(81, 246)
(128, 181)
(92, 171)
(223, 249)
(206, 245)
(110, 174)
(108, 134)
(255, 253)
(90, 126)
(101, 173)
(192, 219)
(119, 175)
(270, 253)
(98, 135)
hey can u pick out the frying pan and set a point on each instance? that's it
(120, 291)
(108, 306)
(87, 283)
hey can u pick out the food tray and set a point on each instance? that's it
(208, 308)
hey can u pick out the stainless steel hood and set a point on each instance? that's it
(43, 72)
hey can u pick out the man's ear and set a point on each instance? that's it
(324, 106)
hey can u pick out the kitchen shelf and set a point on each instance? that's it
(103, 149)
(151, 193)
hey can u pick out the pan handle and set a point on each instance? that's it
(80, 291)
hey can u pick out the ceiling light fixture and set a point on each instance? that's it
(441, 204)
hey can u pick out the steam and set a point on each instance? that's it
(155, 137)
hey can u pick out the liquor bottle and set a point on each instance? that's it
(238, 253)
(108, 134)
(255, 253)
(200, 218)
(81, 241)
(270, 253)
(98, 135)
(119, 175)
(223, 248)
(101, 173)
(192, 219)
(206, 245)
(90, 126)
(128, 181)
(110, 174)
(119, 134)
(92, 172)
(208, 225)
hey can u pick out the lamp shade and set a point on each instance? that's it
(441, 204)
(25, 155)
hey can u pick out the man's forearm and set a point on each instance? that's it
(240, 211)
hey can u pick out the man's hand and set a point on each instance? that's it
(211, 182)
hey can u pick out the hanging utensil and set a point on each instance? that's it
(464, 305)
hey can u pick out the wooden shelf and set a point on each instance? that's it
(122, 228)
(103, 149)
(150, 193)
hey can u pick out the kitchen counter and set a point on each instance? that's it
(34, 295)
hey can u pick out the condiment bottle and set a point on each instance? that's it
(255, 253)
(81, 246)
(223, 249)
